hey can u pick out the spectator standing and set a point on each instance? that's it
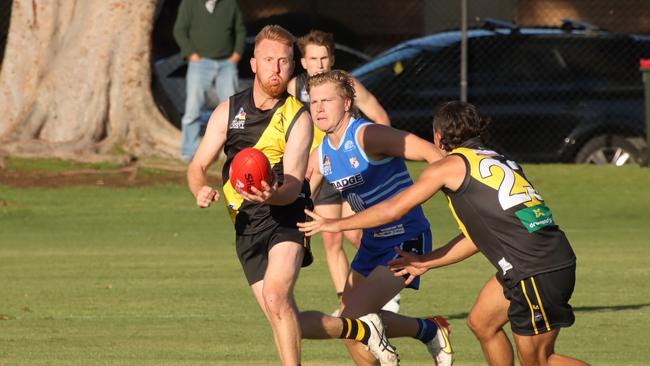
(211, 36)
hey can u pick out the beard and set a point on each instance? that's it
(274, 91)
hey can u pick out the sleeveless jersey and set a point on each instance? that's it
(364, 183)
(302, 95)
(267, 131)
(301, 88)
(500, 211)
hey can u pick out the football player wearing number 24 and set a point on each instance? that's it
(502, 216)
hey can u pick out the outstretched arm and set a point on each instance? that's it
(412, 265)
(380, 141)
(448, 172)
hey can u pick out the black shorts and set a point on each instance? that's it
(327, 195)
(253, 250)
(540, 303)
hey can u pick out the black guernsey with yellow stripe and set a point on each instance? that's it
(267, 131)
(500, 211)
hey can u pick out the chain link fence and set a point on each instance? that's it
(559, 79)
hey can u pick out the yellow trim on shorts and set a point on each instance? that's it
(541, 306)
(530, 305)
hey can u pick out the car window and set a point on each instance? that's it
(436, 68)
(515, 60)
(594, 59)
(387, 65)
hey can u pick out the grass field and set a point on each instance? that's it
(93, 275)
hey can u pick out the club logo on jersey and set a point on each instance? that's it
(354, 162)
(326, 166)
(348, 182)
(239, 121)
(535, 217)
(348, 145)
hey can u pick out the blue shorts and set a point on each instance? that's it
(368, 257)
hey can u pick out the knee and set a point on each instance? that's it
(276, 302)
(479, 326)
(332, 242)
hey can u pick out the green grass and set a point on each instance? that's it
(139, 276)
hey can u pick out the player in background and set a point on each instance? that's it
(317, 56)
(501, 215)
(270, 247)
(364, 161)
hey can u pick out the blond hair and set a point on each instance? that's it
(343, 82)
(275, 32)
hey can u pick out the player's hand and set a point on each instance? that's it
(318, 224)
(407, 265)
(205, 196)
(257, 196)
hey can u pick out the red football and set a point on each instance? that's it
(248, 169)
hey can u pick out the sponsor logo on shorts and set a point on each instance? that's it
(389, 231)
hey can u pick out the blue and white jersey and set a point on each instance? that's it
(364, 183)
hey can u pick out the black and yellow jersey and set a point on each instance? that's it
(500, 211)
(267, 131)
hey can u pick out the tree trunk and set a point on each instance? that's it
(76, 82)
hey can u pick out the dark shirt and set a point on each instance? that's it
(500, 211)
(267, 131)
(212, 35)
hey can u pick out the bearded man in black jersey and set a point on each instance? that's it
(502, 216)
(270, 247)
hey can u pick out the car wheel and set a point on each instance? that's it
(609, 149)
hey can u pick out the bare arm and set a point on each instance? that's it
(206, 154)
(381, 141)
(369, 105)
(411, 265)
(313, 174)
(448, 172)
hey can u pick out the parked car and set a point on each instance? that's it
(567, 94)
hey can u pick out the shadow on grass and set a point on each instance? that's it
(575, 308)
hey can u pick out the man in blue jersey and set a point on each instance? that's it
(317, 56)
(501, 215)
(364, 161)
